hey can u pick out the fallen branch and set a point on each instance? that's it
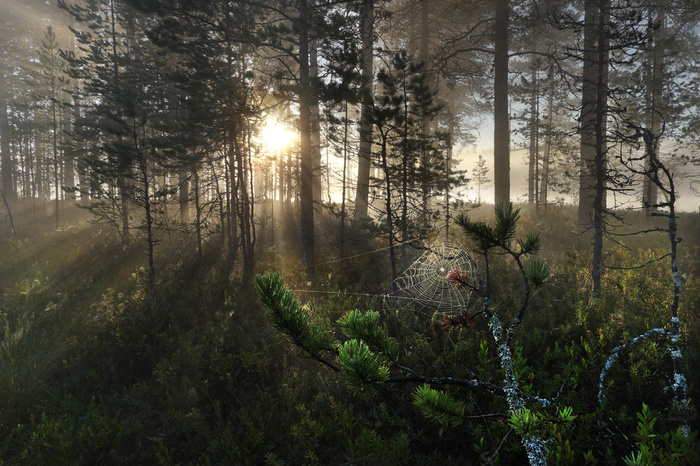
(616, 353)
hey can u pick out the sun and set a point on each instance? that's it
(276, 136)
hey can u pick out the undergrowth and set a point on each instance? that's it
(95, 369)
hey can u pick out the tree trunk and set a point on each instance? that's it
(83, 183)
(307, 172)
(544, 183)
(532, 161)
(501, 144)
(150, 240)
(600, 126)
(389, 213)
(245, 215)
(54, 147)
(315, 125)
(197, 212)
(365, 152)
(448, 170)
(124, 198)
(425, 124)
(655, 89)
(68, 159)
(184, 194)
(231, 201)
(6, 166)
(345, 170)
(588, 116)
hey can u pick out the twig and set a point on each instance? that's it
(640, 266)
(498, 450)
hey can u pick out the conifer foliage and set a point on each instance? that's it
(370, 357)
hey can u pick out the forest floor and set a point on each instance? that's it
(96, 368)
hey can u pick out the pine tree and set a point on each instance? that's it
(369, 358)
(49, 81)
(481, 176)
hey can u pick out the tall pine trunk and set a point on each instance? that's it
(184, 194)
(307, 172)
(6, 166)
(600, 126)
(501, 143)
(544, 179)
(365, 153)
(533, 159)
(655, 89)
(588, 116)
(315, 125)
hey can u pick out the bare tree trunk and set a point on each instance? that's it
(588, 116)
(365, 153)
(655, 89)
(425, 124)
(315, 125)
(245, 212)
(306, 189)
(124, 198)
(231, 201)
(54, 146)
(501, 144)
(150, 241)
(544, 183)
(345, 170)
(448, 172)
(6, 165)
(122, 182)
(389, 213)
(198, 213)
(184, 194)
(83, 183)
(68, 159)
(532, 161)
(600, 127)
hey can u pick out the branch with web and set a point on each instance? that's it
(440, 280)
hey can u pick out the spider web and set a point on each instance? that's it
(424, 282)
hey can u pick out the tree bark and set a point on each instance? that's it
(365, 149)
(501, 144)
(600, 127)
(68, 159)
(655, 89)
(307, 172)
(184, 194)
(389, 213)
(544, 183)
(588, 116)
(315, 124)
(6, 166)
(532, 161)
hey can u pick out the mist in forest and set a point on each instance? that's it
(349, 231)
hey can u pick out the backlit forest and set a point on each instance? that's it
(349, 232)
